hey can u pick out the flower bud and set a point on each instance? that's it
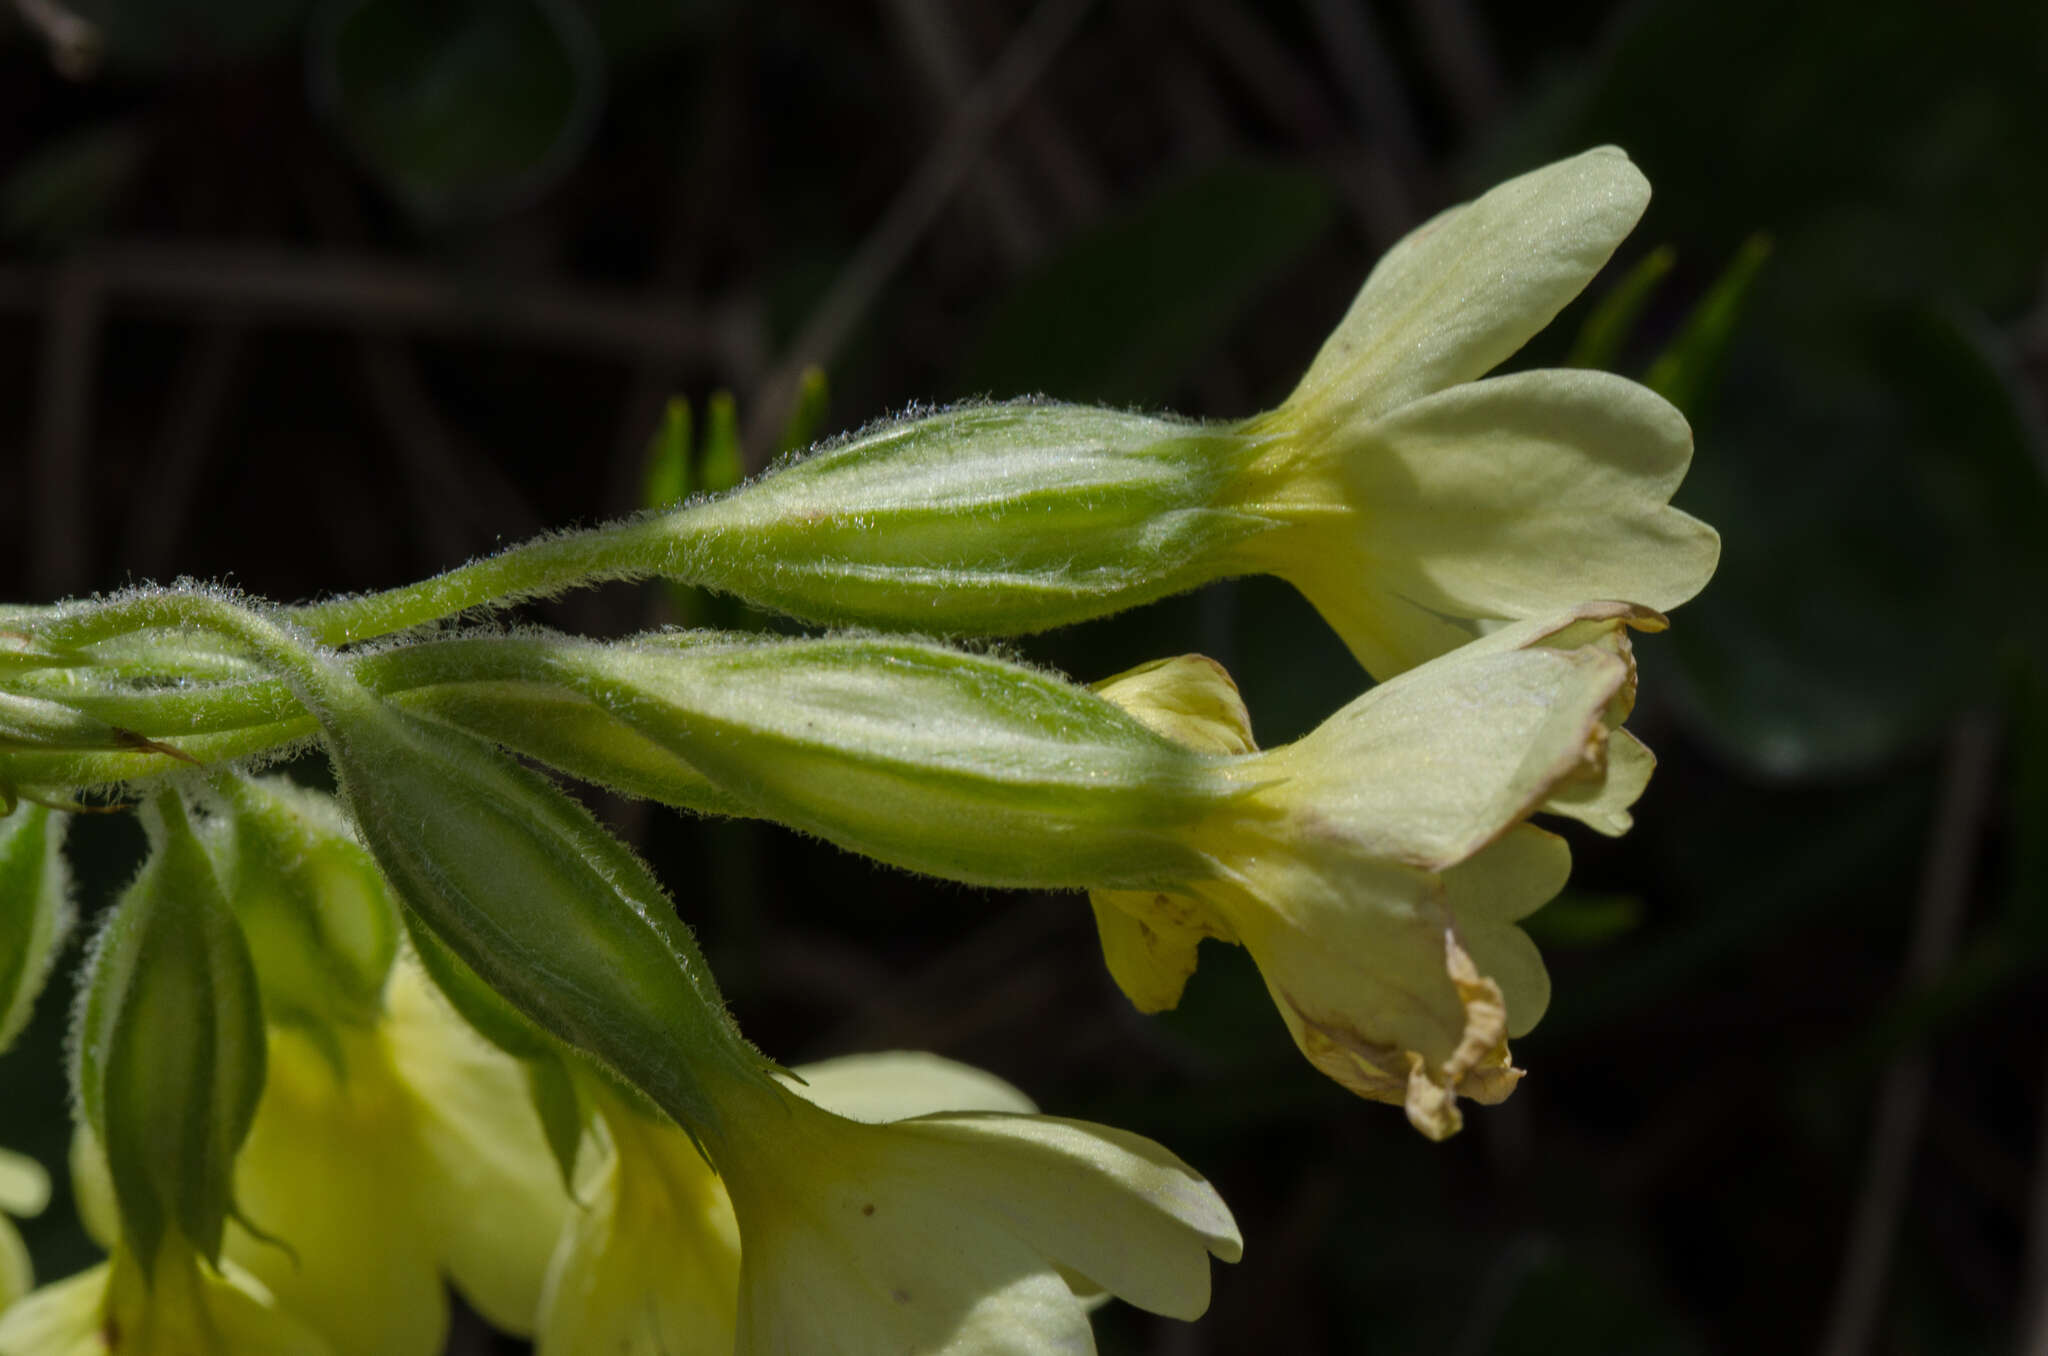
(319, 922)
(1376, 868)
(35, 910)
(170, 1049)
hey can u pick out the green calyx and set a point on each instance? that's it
(35, 910)
(170, 1050)
(958, 765)
(988, 519)
(521, 885)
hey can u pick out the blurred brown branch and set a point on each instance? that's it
(331, 288)
(1965, 795)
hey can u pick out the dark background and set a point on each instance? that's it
(314, 297)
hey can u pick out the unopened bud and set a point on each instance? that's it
(35, 910)
(170, 1052)
(311, 902)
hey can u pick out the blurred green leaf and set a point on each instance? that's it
(70, 185)
(466, 107)
(667, 479)
(1123, 315)
(1987, 447)
(807, 419)
(1857, 452)
(1577, 918)
(1921, 118)
(1686, 371)
(1613, 319)
(720, 467)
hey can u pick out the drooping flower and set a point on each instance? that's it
(1376, 868)
(648, 1263)
(953, 1233)
(1412, 502)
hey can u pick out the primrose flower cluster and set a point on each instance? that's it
(336, 1052)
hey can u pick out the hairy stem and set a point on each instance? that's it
(532, 569)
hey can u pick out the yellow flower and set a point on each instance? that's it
(953, 1233)
(422, 1157)
(24, 1191)
(1376, 868)
(185, 1307)
(649, 1263)
(416, 1157)
(1422, 505)
(1410, 501)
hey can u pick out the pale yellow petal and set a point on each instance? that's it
(1429, 767)
(490, 1179)
(1414, 531)
(247, 1325)
(1516, 497)
(333, 1172)
(1149, 954)
(24, 1185)
(92, 1188)
(1601, 798)
(17, 1273)
(1465, 290)
(953, 1233)
(897, 1084)
(188, 1308)
(945, 1288)
(1352, 950)
(62, 1319)
(1509, 879)
(1190, 699)
(648, 1263)
(1108, 1205)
